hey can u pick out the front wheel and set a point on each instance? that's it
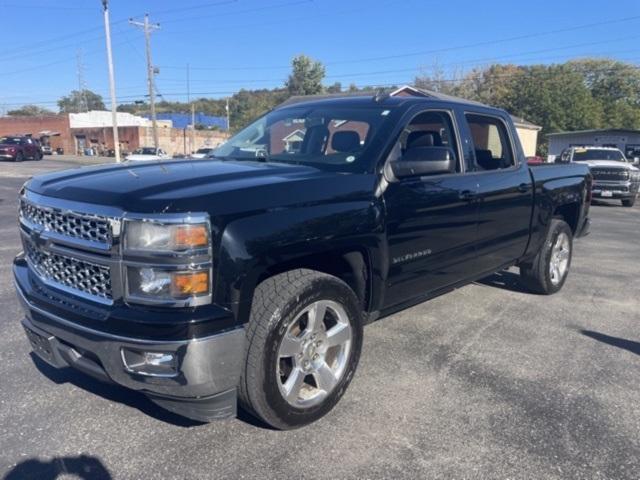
(19, 157)
(547, 272)
(303, 345)
(628, 202)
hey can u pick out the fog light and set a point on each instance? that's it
(152, 364)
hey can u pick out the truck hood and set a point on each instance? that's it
(219, 187)
(607, 163)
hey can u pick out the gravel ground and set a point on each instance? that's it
(485, 382)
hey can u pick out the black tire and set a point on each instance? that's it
(277, 303)
(37, 156)
(536, 275)
(19, 157)
(628, 202)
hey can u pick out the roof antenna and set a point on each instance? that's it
(380, 95)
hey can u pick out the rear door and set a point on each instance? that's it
(505, 191)
(431, 220)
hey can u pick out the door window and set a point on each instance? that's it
(430, 129)
(490, 142)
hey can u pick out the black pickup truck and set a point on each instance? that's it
(247, 277)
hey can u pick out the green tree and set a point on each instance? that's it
(81, 101)
(335, 88)
(306, 76)
(615, 86)
(30, 111)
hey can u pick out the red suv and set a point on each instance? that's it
(18, 148)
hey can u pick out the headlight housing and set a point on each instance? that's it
(151, 236)
(168, 260)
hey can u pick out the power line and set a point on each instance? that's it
(53, 40)
(453, 64)
(584, 70)
(240, 12)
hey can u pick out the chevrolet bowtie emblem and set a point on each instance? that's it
(36, 237)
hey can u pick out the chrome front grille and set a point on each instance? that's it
(609, 174)
(92, 228)
(81, 276)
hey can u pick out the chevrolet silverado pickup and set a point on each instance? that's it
(614, 177)
(246, 278)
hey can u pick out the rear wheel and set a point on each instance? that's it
(303, 344)
(37, 156)
(628, 202)
(547, 272)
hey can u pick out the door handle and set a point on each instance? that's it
(466, 195)
(524, 187)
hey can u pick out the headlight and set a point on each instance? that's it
(158, 284)
(159, 237)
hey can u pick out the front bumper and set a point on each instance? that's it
(207, 369)
(7, 156)
(609, 189)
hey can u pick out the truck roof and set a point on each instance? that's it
(361, 99)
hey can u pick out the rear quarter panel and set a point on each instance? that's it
(557, 185)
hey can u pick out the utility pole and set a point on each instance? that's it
(148, 28)
(228, 117)
(193, 111)
(82, 86)
(112, 81)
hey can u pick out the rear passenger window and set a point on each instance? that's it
(490, 142)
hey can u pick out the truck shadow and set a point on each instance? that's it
(504, 280)
(629, 345)
(111, 392)
(82, 466)
(128, 397)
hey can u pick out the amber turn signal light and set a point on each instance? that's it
(191, 236)
(191, 283)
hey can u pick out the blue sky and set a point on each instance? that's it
(233, 44)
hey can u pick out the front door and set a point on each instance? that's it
(431, 221)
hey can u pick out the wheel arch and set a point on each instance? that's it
(569, 213)
(348, 245)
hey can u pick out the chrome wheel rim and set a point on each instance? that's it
(560, 255)
(313, 354)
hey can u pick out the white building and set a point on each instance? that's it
(100, 118)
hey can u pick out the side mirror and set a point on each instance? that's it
(420, 161)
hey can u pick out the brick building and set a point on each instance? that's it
(76, 132)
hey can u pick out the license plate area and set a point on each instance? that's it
(41, 345)
(606, 193)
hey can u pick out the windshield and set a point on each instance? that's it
(145, 151)
(327, 137)
(204, 150)
(10, 141)
(583, 155)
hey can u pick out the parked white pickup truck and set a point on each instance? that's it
(613, 175)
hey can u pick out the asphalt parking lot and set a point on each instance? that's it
(485, 382)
